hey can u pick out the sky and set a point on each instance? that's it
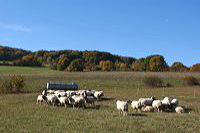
(135, 28)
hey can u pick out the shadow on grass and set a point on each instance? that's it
(96, 107)
(187, 110)
(106, 99)
(139, 115)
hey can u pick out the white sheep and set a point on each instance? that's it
(44, 92)
(63, 100)
(148, 109)
(174, 102)
(157, 104)
(98, 94)
(71, 93)
(53, 99)
(50, 91)
(62, 94)
(166, 103)
(41, 99)
(146, 101)
(122, 106)
(77, 100)
(179, 110)
(90, 92)
(136, 105)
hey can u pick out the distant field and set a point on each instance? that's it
(19, 112)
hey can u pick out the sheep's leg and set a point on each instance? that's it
(119, 112)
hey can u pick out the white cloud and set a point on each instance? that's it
(15, 27)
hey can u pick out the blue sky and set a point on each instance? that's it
(136, 28)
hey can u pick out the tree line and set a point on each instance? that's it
(74, 60)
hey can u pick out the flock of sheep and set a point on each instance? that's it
(70, 98)
(81, 98)
(150, 105)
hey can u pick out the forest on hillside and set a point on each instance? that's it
(74, 60)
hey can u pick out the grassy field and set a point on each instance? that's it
(19, 112)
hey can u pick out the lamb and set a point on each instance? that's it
(179, 110)
(147, 109)
(41, 99)
(157, 104)
(98, 94)
(122, 106)
(77, 100)
(136, 105)
(90, 100)
(146, 101)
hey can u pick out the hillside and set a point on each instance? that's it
(74, 60)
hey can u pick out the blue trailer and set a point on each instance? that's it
(61, 86)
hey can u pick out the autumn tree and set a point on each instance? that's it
(121, 66)
(195, 68)
(63, 63)
(178, 67)
(157, 63)
(106, 65)
(138, 65)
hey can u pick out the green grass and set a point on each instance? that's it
(19, 112)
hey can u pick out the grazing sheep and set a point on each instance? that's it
(63, 100)
(82, 93)
(50, 91)
(53, 99)
(71, 93)
(98, 94)
(147, 109)
(77, 100)
(41, 99)
(179, 110)
(146, 101)
(157, 104)
(166, 103)
(90, 92)
(174, 102)
(90, 100)
(62, 94)
(44, 92)
(122, 106)
(136, 105)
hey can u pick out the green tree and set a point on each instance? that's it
(14, 84)
(76, 65)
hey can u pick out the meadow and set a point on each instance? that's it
(20, 113)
